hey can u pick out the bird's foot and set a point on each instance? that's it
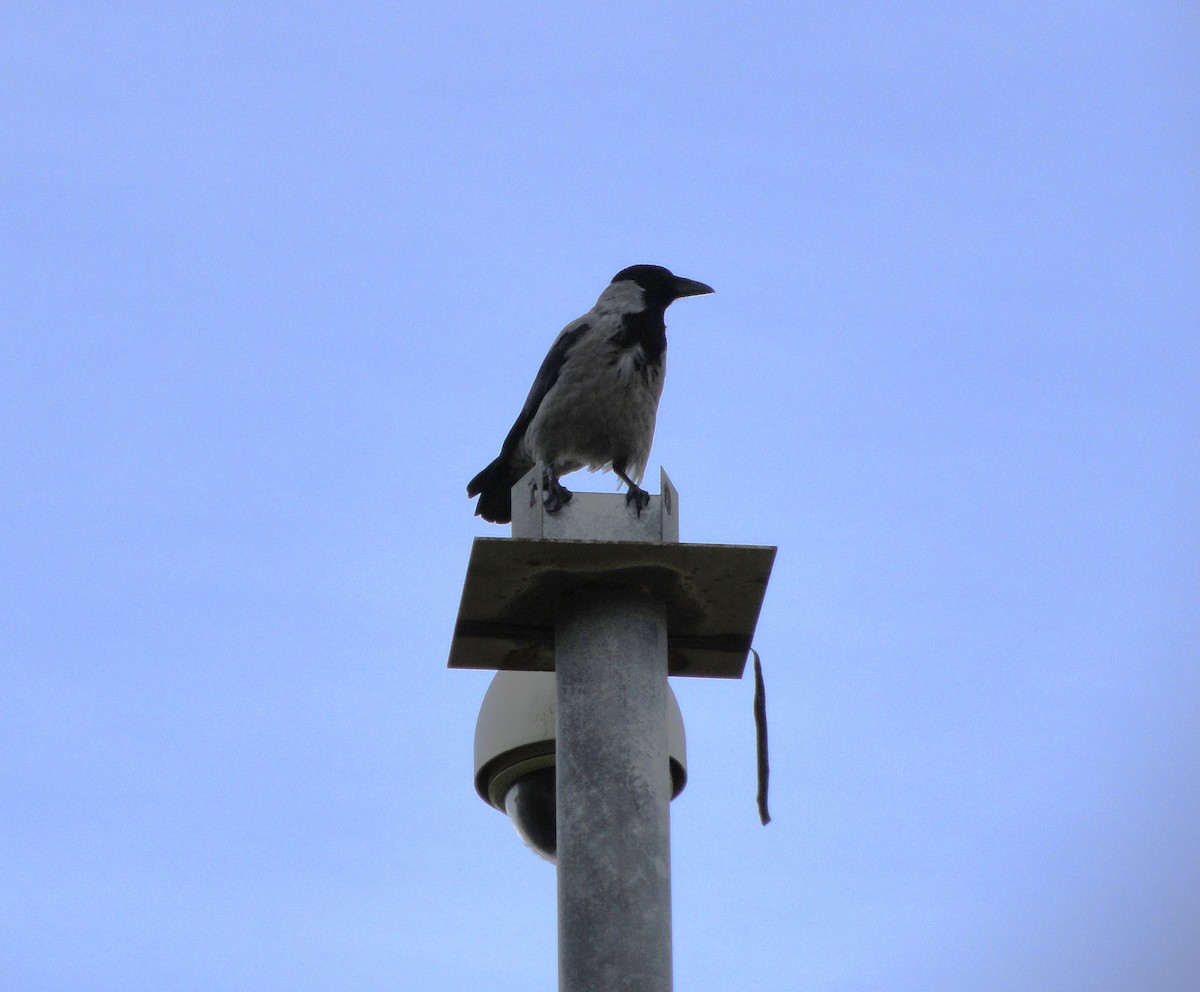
(557, 496)
(638, 497)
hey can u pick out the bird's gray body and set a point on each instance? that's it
(594, 401)
(605, 400)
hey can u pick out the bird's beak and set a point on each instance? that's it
(689, 287)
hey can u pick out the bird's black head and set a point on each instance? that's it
(661, 286)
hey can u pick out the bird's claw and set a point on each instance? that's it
(556, 497)
(639, 497)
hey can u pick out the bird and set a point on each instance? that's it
(595, 397)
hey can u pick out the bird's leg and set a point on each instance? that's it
(556, 494)
(635, 494)
(639, 497)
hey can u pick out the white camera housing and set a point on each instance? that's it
(514, 754)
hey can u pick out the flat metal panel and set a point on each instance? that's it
(713, 594)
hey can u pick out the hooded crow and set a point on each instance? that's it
(594, 400)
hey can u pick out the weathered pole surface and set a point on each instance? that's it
(586, 592)
(613, 792)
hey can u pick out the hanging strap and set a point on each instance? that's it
(760, 733)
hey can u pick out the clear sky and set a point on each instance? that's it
(274, 279)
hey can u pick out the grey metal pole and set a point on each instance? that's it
(613, 792)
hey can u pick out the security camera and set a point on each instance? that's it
(514, 754)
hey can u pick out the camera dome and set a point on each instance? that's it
(514, 754)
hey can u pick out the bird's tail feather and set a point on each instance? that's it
(493, 486)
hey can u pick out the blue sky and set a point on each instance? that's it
(274, 280)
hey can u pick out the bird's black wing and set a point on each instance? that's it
(545, 379)
(494, 484)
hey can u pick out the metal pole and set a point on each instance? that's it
(613, 793)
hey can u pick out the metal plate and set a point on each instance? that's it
(713, 594)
